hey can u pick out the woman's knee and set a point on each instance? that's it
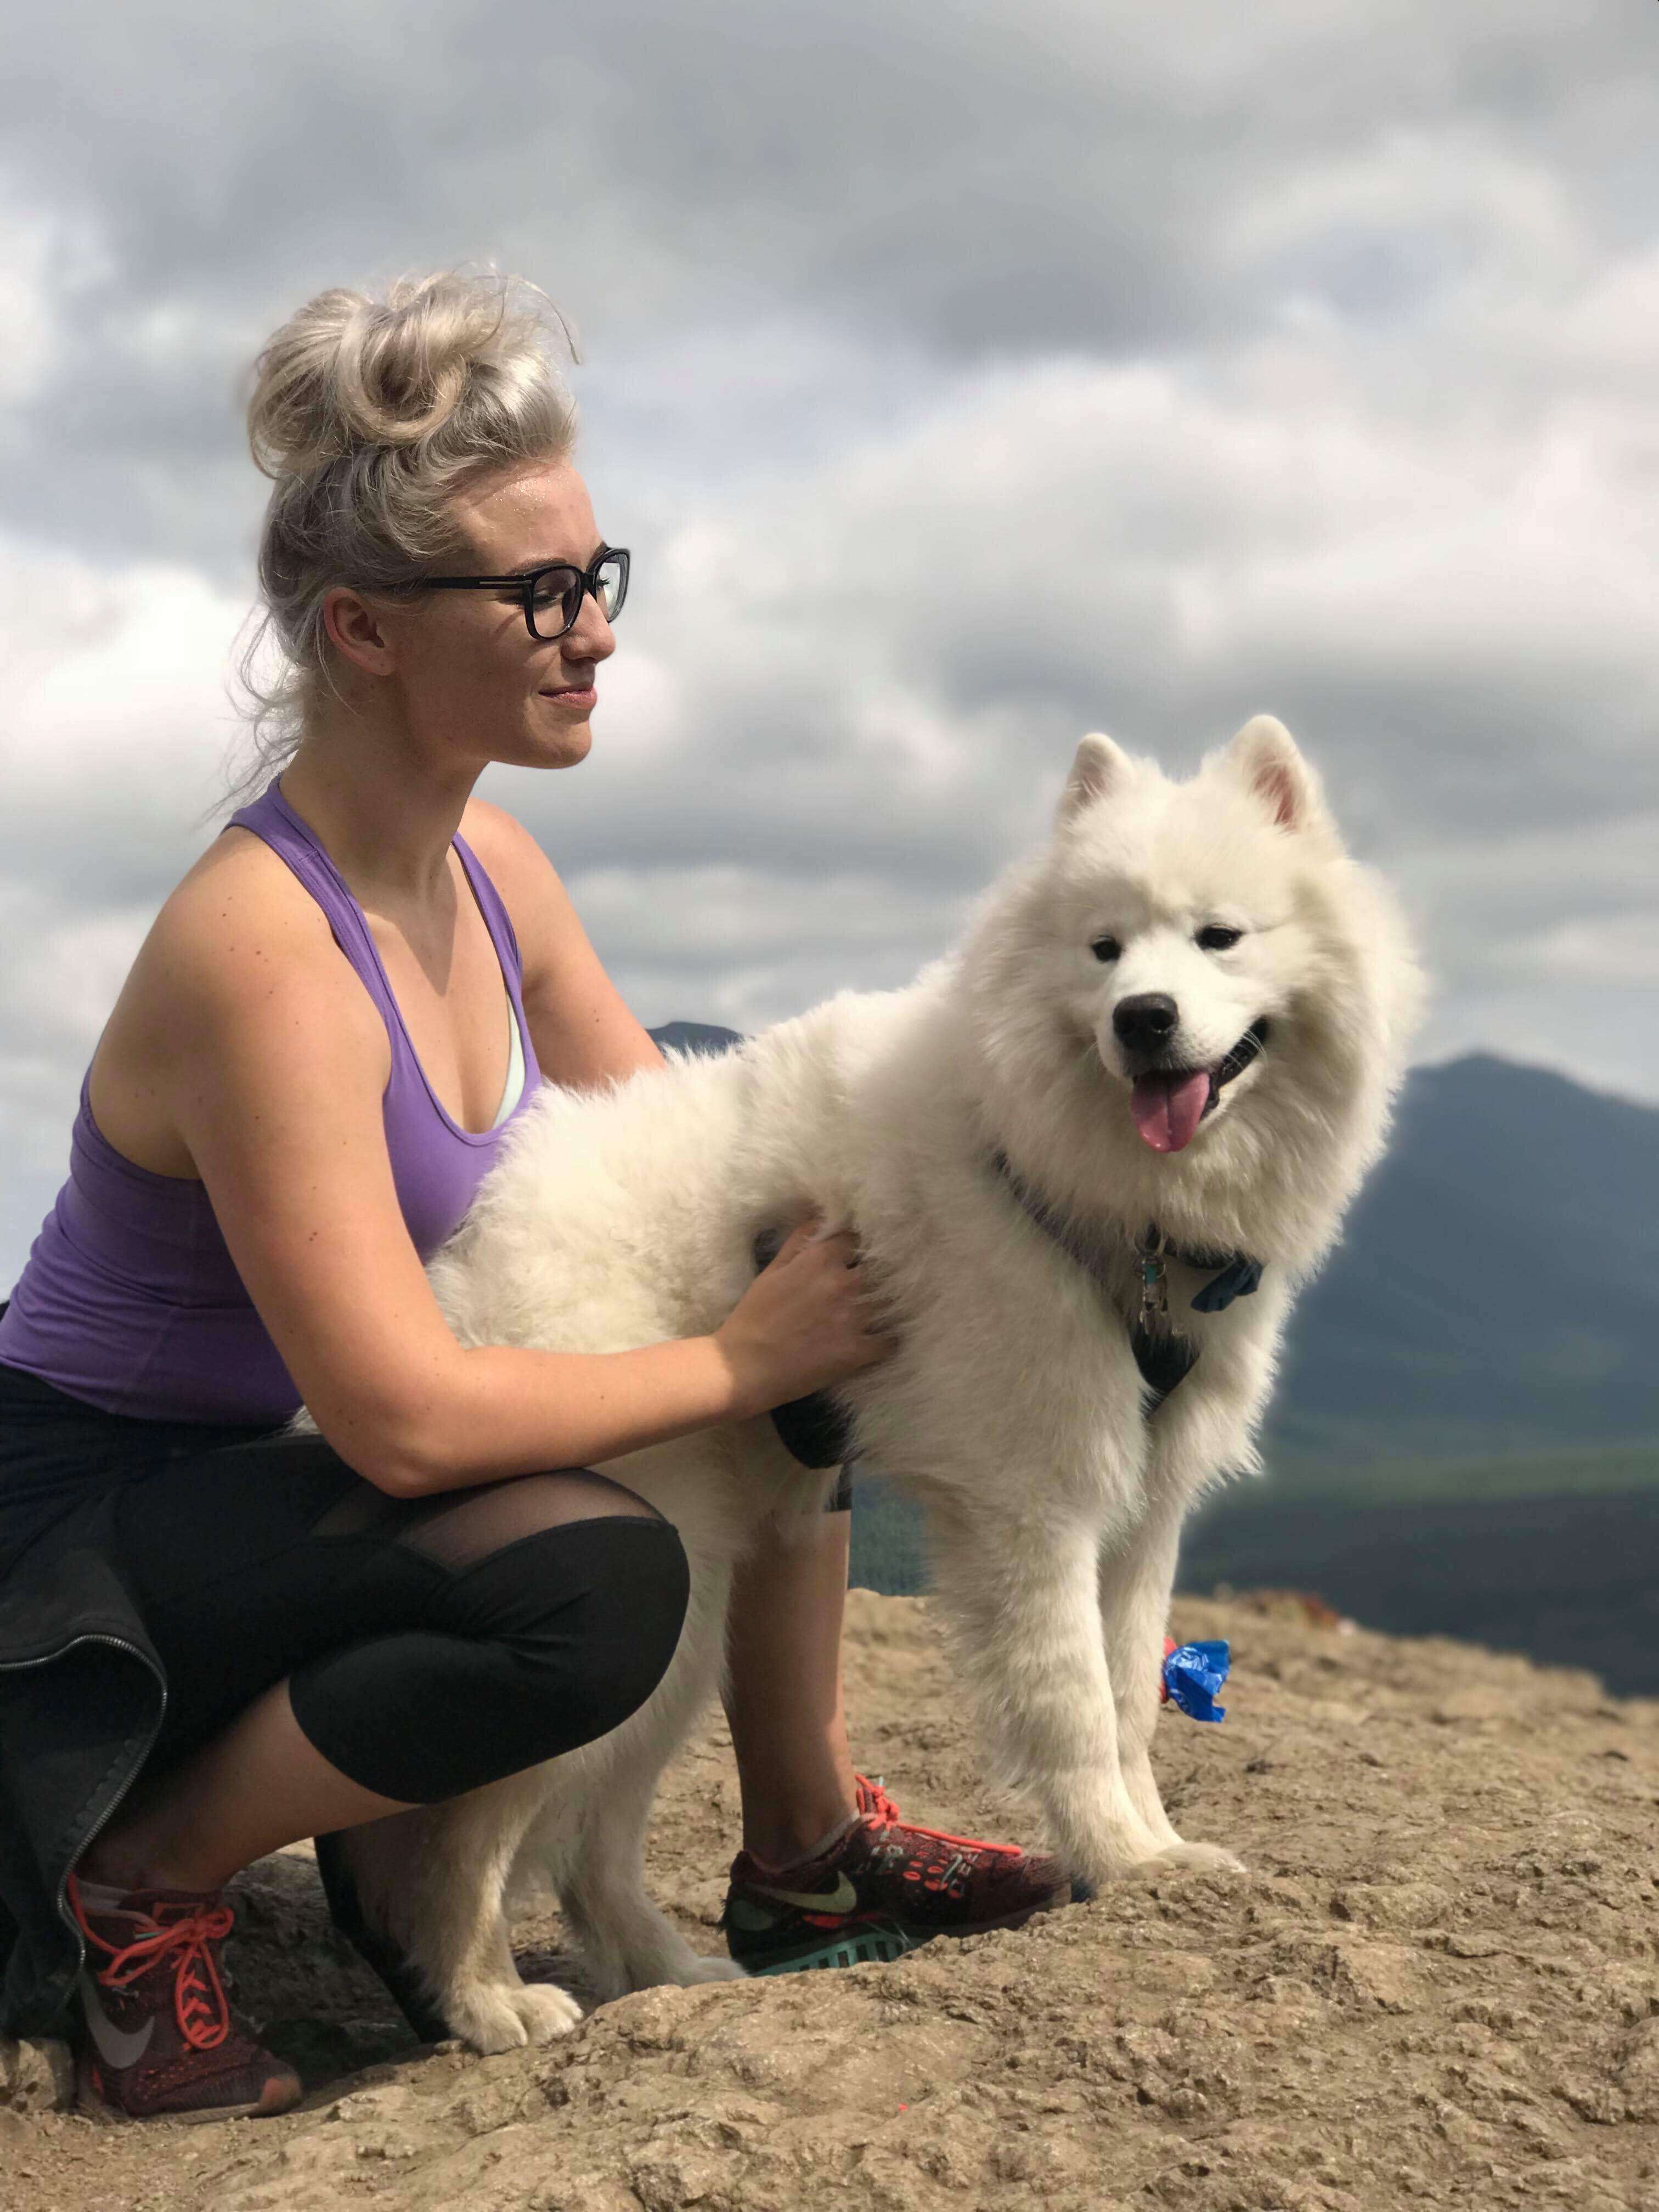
(535, 1651)
(595, 1605)
(631, 1621)
(590, 1629)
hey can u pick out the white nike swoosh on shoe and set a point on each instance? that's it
(842, 1898)
(118, 2047)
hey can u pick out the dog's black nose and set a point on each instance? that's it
(1146, 1022)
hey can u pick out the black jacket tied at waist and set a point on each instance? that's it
(81, 1696)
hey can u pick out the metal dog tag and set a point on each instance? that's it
(1154, 1315)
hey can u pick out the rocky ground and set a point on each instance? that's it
(1438, 1985)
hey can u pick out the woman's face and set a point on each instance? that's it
(471, 678)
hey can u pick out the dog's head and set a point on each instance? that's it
(1186, 959)
(1190, 940)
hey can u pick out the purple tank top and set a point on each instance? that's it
(129, 1299)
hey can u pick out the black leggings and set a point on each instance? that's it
(429, 1646)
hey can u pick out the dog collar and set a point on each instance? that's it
(1163, 1353)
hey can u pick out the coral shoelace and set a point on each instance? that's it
(200, 2002)
(877, 1806)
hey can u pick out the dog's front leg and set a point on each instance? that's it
(432, 1879)
(1022, 1609)
(1135, 1583)
(625, 1942)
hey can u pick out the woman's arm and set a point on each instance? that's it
(276, 1089)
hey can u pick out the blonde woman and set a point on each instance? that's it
(216, 1637)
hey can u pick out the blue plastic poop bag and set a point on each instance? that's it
(1193, 1673)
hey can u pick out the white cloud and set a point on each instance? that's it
(25, 309)
(962, 379)
(117, 714)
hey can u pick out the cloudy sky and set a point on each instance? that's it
(965, 374)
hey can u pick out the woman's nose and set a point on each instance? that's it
(590, 637)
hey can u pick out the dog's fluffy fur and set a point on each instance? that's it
(1013, 1410)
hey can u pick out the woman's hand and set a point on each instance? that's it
(806, 1321)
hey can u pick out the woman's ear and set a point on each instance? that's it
(1098, 766)
(353, 628)
(1264, 758)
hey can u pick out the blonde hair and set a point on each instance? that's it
(369, 415)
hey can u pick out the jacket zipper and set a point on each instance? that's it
(48, 1659)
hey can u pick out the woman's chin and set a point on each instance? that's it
(561, 746)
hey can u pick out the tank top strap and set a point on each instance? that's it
(497, 920)
(271, 817)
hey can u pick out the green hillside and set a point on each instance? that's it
(1496, 1291)
(1380, 1477)
(889, 1550)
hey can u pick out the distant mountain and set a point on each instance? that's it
(1496, 1289)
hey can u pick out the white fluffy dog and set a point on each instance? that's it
(1166, 1051)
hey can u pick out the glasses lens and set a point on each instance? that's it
(554, 597)
(612, 579)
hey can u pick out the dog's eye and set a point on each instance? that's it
(1106, 948)
(1216, 938)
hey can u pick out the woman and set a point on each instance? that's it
(215, 1637)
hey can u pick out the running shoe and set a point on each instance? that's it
(158, 2040)
(880, 1890)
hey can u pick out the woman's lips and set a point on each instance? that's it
(576, 695)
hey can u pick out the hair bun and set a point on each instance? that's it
(372, 417)
(348, 373)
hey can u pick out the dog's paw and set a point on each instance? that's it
(546, 2010)
(1209, 1857)
(505, 2019)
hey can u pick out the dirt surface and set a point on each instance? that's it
(1438, 1985)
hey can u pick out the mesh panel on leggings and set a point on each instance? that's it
(459, 1528)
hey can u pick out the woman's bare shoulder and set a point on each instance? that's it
(526, 882)
(238, 941)
(515, 860)
(238, 908)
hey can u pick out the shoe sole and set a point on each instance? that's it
(92, 2106)
(879, 1947)
(870, 1946)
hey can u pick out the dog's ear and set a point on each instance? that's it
(1098, 766)
(1264, 756)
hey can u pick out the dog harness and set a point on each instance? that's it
(1164, 1353)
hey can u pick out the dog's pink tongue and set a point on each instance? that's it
(1167, 1107)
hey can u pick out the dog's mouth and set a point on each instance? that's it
(1169, 1102)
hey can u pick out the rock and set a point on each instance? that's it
(1635, 2071)
(36, 2076)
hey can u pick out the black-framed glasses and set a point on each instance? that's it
(552, 597)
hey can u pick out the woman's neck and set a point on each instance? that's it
(385, 816)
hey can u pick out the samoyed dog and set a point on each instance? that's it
(1090, 1159)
